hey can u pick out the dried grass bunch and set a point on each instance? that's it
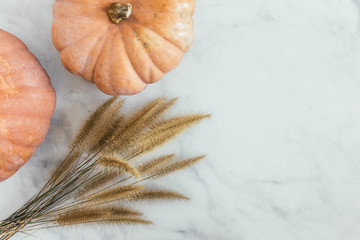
(100, 170)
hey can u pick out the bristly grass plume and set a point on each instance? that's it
(99, 174)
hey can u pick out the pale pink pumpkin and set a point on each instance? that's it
(27, 102)
(122, 54)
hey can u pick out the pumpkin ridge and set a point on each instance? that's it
(112, 83)
(149, 29)
(132, 63)
(104, 48)
(104, 39)
(79, 40)
(150, 55)
(17, 165)
(25, 87)
(128, 56)
(6, 162)
(183, 42)
(76, 57)
(126, 50)
(24, 146)
(111, 51)
(33, 115)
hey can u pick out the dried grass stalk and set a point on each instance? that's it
(123, 211)
(64, 167)
(140, 121)
(161, 133)
(95, 214)
(114, 163)
(87, 127)
(157, 195)
(126, 220)
(107, 221)
(80, 185)
(107, 124)
(176, 167)
(177, 123)
(108, 135)
(96, 183)
(113, 194)
(154, 164)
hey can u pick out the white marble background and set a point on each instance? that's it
(282, 78)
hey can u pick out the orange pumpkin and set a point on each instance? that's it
(123, 45)
(27, 102)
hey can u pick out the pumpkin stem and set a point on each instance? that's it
(119, 12)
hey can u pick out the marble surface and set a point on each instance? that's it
(282, 79)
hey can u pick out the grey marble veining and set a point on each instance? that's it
(282, 78)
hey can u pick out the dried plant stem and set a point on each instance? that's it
(152, 165)
(98, 181)
(92, 121)
(156, 195)
(81, 192)
(112, 163)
